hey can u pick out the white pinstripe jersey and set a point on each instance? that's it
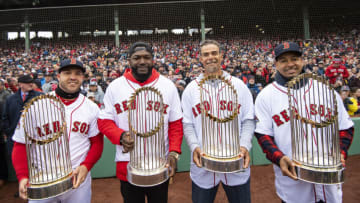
(81, 122)
(271, 110)
(116, 100)
(191, 107)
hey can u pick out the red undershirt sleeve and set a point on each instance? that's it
(95, 151)
(110, 130)
(175, 134)
(19, 160)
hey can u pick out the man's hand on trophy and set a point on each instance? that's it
(246, 156)
(342, 159)
(172, 163)
(23, 188)
(127, 142)
(288, 168)
(197, 157)
(79, 175)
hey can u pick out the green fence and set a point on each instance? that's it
(105, 167)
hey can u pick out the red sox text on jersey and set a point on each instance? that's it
(284, 115)
(151, 105)
(48, 128)
(224, 105)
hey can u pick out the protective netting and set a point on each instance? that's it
(248, 31)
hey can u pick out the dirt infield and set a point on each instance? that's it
(262, 187)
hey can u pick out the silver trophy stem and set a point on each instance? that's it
(47, 148)
(146, 126)
(314, 130)
(220, 126)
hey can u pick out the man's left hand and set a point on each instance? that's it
(245, 154)
(342, 159)
(171, 165)
(79, 175)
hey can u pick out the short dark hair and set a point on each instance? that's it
(140, 46)
(209, 41)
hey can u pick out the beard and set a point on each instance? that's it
(140, 75)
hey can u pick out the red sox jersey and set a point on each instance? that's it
(192, 115)
(116, 101)
(81, 122)
(271, 110)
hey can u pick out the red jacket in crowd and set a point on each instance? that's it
(333, 73)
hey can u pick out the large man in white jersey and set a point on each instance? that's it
(113, 121)
(273, 132)
(85, 140)
(206, 183)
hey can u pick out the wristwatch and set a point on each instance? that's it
(175, 154)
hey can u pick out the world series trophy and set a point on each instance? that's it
(315, 130)
(146, 127)
(220, 125)
(47, 148)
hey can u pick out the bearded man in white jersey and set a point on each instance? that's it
(205, 183)
(85, 140)
(113, 121)
(273, 132)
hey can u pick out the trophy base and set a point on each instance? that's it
(49, 190)
(326, 176)
(144, 178)
(229, 165)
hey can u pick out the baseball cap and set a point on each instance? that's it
(138, 46)
(71, 62)
(25, 79)
(345, 88)
(181, 82)
(337, 59)
(287, 47)
(93, 82)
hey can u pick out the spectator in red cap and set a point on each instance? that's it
(336, 71)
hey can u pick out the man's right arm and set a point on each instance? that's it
(110, 130)
(19, 160)
(267, 141)
(269, 147)
(190, 136)
(188, 119)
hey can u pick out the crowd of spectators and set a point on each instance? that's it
(335, 55)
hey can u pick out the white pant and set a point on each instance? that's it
(81, 194)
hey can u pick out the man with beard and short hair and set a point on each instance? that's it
(206, 183)
(85, 145)
(113, 121)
